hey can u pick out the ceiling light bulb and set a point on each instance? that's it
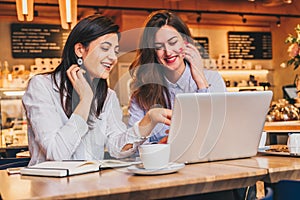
(278, 24)
(24, 10)
(24, 7)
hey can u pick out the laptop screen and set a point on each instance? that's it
(217, 126)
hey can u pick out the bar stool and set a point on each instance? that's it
(269, 194)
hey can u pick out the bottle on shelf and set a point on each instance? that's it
(5, 75)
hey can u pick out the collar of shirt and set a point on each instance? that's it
(183, 81)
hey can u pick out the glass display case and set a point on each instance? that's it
(13, 118)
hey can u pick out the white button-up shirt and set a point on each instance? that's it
(54, 136)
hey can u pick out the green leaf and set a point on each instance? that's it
(290, 62)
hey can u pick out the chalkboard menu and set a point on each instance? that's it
(250, 45)
(37, 40)
(202, 45)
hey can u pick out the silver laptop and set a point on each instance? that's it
(217, 126)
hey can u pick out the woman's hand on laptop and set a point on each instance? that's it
(152, 117)
(160, 115)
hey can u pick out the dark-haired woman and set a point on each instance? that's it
(71, 112)
(167, 62)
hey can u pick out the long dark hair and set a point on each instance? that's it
(148, 85)
(86, 31)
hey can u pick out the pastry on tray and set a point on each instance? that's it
(278, 148)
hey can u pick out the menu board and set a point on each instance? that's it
(37, 40)
(203, 46)
(250, 45)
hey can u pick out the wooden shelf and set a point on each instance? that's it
(263, 72)
(282, 126)
(249, 88)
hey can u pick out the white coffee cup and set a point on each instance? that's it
(293, 143)
(154, 156)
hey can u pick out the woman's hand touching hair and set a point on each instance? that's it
(192, 55)
(83, 89)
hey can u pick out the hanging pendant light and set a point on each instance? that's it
(68, 13)
(24, 10)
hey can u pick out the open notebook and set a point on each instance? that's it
(217, 126)
(61, 168)
(72, 167)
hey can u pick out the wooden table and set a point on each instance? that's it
(279, 167)
(120, 184)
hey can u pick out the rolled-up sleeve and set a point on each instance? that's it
(117, 133)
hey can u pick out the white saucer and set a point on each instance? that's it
(117, 163)
(171, 168)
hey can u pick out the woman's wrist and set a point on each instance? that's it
(203, 84)
(146, 125)
(201, 80)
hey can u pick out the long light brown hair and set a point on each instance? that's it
(148, 85)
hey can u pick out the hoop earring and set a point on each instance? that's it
(79, 61)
